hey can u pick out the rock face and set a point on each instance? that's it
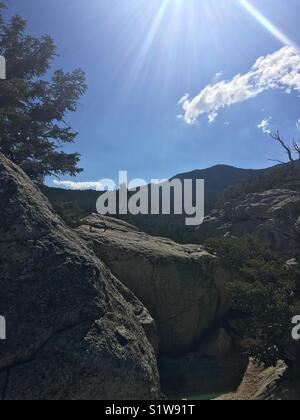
(272, 216)
(142, 314)
(218, 345)
(71, 333)
(181, 286)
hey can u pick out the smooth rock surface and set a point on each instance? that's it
(217, 345)
(182, 286)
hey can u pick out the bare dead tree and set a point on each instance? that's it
(296, 147)
(288, 149)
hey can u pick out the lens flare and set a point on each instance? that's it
(267, 23)
(154, 29)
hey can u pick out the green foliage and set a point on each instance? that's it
(264, 297)
(32, 110)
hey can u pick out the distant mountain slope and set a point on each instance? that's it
(219, 178)
(286, 176)
(72, 205)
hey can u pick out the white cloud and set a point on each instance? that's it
(265, 125)
(280, 70)
(71, 185)
(219, 75)
(298, 124)
(183, 99)
(212, 117)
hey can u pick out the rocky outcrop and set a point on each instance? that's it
(181, 286)
(273, 216)
(73, 331)
(278, 383)
(218, 345)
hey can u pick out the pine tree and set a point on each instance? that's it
(33, 106)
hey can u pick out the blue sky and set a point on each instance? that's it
(142, 56)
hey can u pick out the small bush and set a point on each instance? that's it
(264, 297)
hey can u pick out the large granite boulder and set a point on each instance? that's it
(181, 286)
(141, 313)
(273, 216)
(73, 331)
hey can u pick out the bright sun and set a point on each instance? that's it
(173, 27)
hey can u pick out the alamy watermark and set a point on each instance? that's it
(296, 329)
(2, 68)
(160, 197)
(2, 328)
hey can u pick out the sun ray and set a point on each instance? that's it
(151, 35)
(267, 23)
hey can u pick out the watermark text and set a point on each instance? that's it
(2, 328)
(296, 329)
(2, 68)
(164, 197)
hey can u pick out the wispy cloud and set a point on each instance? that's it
(217, 77)
(79, 186)
(298, 124)
(183, 99)
(280, 70)
(212, 117)
(265, 125)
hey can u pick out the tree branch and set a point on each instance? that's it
(287, 148)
